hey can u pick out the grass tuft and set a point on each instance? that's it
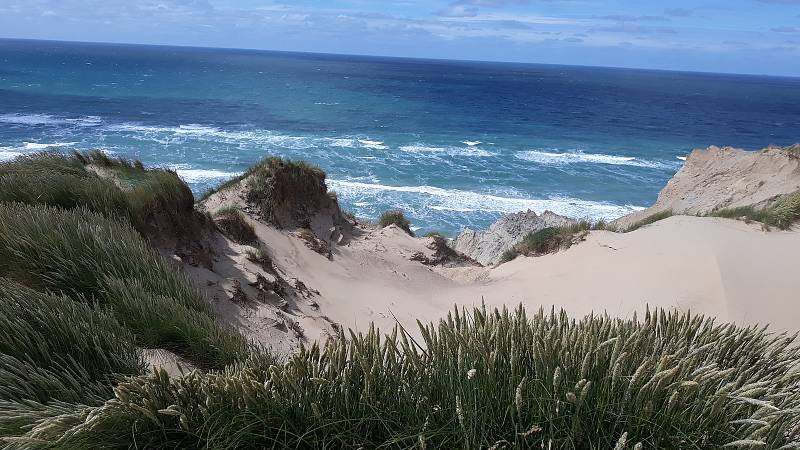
(143, 197)
(548, 240)
(395, 217)
(89, 256)
(435, 234)
(63, 181)
(781, 214)
(650, 220)
(287, 192)
(55, 348)
(234, 225)
(475, 380)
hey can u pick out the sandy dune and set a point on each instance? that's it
(725, 268)
(719, 267)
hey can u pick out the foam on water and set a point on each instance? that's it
(7, 155)
(375, 145)
(466, 201)
(449, 151)
(579, 157)
(33, 146)
(47, 119)
(182, 133)
(30, 119)
(201, 175)
(365, 193)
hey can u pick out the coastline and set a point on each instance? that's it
(706, 265)
(265, 297)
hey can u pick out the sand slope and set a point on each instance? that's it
(720, 267)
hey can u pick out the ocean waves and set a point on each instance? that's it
(455, 200)
(48, 120)
(471, 149)
(11, 152)
(198, 176)
(442, 181)
(579, 157)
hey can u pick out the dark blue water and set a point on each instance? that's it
(454, 144)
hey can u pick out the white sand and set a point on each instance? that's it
(720, 267)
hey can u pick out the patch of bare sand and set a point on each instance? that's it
(719, 267)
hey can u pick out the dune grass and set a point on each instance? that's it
(548, 240)
(55, 348)
(63, 181)
(653, 218)
(285, 187)
(234, 225)
(781, 214)
(395, 217)
(90, 256)
(129, 191)
(485, 379)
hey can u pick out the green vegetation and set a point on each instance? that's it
(299, 171)
(82, 293)
(286, 190)
(55, 348)
(113, 187)
(234, 225)
(435, 234)
(63, 181)
(89, 256)
(649, 220)
(547, 240)
(395, 217)
(781, 214)
(486, 379)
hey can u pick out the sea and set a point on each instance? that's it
(454, 144)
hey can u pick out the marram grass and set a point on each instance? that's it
(128, 191)
(61, 180)
(487, 379)
(54, 348)
(89, 256)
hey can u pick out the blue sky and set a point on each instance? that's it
(741, 36)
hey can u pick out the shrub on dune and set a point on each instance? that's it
(489, 379)
(395, 217)
(549, 240)
(234, 225)
(90, 256)
(287, 191)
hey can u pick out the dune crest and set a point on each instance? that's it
(724, 177)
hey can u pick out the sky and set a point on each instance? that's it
(734, 36)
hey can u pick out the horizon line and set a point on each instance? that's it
(409, 58)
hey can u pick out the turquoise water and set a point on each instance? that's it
(454, 144)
